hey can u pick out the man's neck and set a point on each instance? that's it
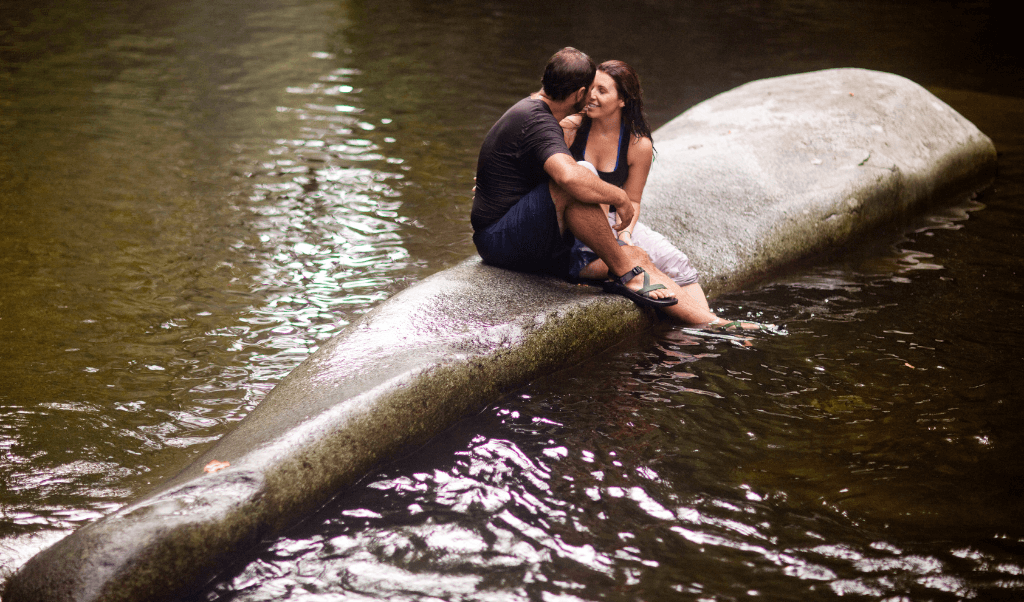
(559, 108)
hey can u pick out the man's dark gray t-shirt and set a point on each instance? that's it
(512, 159)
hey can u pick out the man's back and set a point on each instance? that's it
(512, 157)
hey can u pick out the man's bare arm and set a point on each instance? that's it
(585, 187)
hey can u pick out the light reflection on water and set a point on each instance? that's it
(328, 220)
(229, 297)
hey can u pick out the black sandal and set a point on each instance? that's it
(617, 285)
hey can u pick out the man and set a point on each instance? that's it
(533, 200)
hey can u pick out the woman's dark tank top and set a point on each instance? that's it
(578, 149)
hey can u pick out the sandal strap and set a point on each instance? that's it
(650, 287)
(647, 287)
(623, 279)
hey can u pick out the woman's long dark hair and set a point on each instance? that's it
(627, 83)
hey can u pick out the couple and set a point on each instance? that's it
(551, 170)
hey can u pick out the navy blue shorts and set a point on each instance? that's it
(527, 237)
(581, 256)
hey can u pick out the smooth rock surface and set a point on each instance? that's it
(746, 183)
(781, 169)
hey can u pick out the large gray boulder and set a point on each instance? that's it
(780, 169)
(745, 183)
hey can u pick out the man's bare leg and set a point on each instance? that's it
(590, 225)
(692, 307)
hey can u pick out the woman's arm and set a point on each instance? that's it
(639, 155)
(569, 126)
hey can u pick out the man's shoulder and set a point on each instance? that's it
(527, 120)
(531, 108)
(519, 116)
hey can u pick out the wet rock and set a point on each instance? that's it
(746, 182)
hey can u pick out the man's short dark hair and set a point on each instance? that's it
(567, 71)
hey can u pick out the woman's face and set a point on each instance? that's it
(604, 97)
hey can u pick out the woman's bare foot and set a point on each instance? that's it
(720, 324)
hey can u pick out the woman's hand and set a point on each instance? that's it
(626, 236)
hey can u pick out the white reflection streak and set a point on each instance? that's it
(586, 554)
(792, 565)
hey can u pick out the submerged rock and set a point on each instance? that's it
(746, 182)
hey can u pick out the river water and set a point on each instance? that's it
(194, 195)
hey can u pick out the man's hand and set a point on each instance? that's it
(623, 212)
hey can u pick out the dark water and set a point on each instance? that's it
(194, 195)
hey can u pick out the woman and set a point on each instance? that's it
(612, 138)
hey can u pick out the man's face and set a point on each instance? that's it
(583, 96)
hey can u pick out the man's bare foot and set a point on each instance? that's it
(649, 280)
(660, 286)
(637, 286)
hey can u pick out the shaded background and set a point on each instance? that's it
(194, 195)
